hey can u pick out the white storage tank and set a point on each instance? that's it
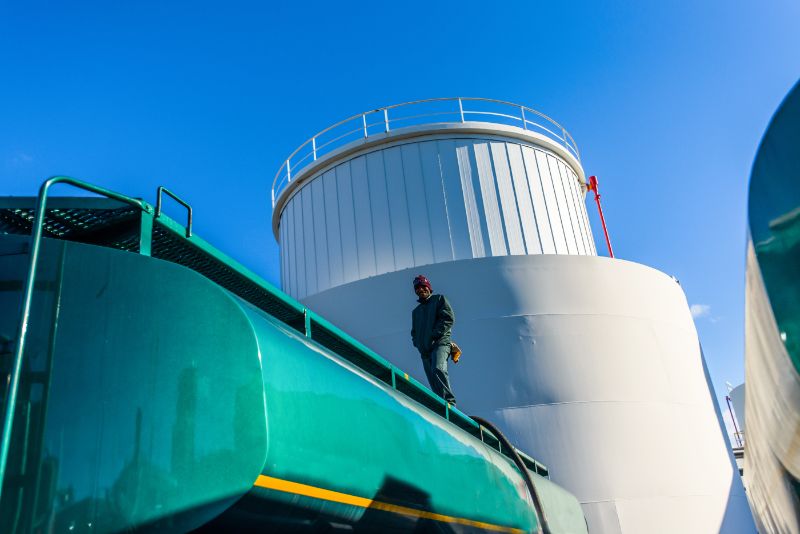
(591, 364)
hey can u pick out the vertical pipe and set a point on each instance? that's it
(733, 420)
(288, 171)
(524, 121)
(314, 147)
(593, 187)
(461, 109)
(386, 119)
(22, 331)
(364, 121)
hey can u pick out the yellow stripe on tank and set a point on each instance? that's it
(296, 488)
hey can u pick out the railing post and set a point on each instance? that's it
(461, 109)
(364, 120)
(314, 147)
(524, 121)
(288, 171)
(386, 119)
(564, 135)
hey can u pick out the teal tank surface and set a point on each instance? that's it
(164, 387)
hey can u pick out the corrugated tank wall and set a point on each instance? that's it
(429, 201)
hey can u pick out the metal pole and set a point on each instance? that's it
(593, 187)
(288, 171)
(461, 109)
(386, 119)
(733, 420)
(524, 121)
(314, 147)
(27, 298)
(364, 120)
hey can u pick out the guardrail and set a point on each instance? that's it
(433, 110)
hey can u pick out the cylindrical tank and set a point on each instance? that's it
(591, 363)
(427, 194)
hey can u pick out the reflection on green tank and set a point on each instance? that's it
(153, 402)
(774, 216)
(332, 426)
(153, 398)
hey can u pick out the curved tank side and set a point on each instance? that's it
(772, 325)
(347, 448)
(141, 402)
(440, 196)
(591, 364)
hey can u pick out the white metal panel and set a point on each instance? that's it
(561, 202)
(293, 243)
(282, 251)
(569, 196)
(347, 223)
(434, 197)
(491, 209)
(523, 191)
(577, 199)
(361, 204)
(546, 234)
(300, 248)
(456, 199)
(379, 206)
(398, 208)
(320, 235)
(308, 240)
(553, 214)
(417, 204)
(508, 201)
(332, 229)
(465, 169)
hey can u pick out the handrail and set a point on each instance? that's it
(25, 310)
(312, 149)
(162, 189)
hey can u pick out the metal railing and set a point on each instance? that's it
(419, 112)
(27, 297)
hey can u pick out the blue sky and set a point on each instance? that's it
(667, 101)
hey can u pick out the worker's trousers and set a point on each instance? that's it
(435, 364)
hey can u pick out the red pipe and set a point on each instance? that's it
(593, 187)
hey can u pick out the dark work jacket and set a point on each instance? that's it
(431, 322)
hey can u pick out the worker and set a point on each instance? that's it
(431, 323)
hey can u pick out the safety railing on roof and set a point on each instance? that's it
(419, 112)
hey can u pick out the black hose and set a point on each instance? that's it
(526, 476)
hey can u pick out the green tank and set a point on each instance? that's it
(155, 384)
